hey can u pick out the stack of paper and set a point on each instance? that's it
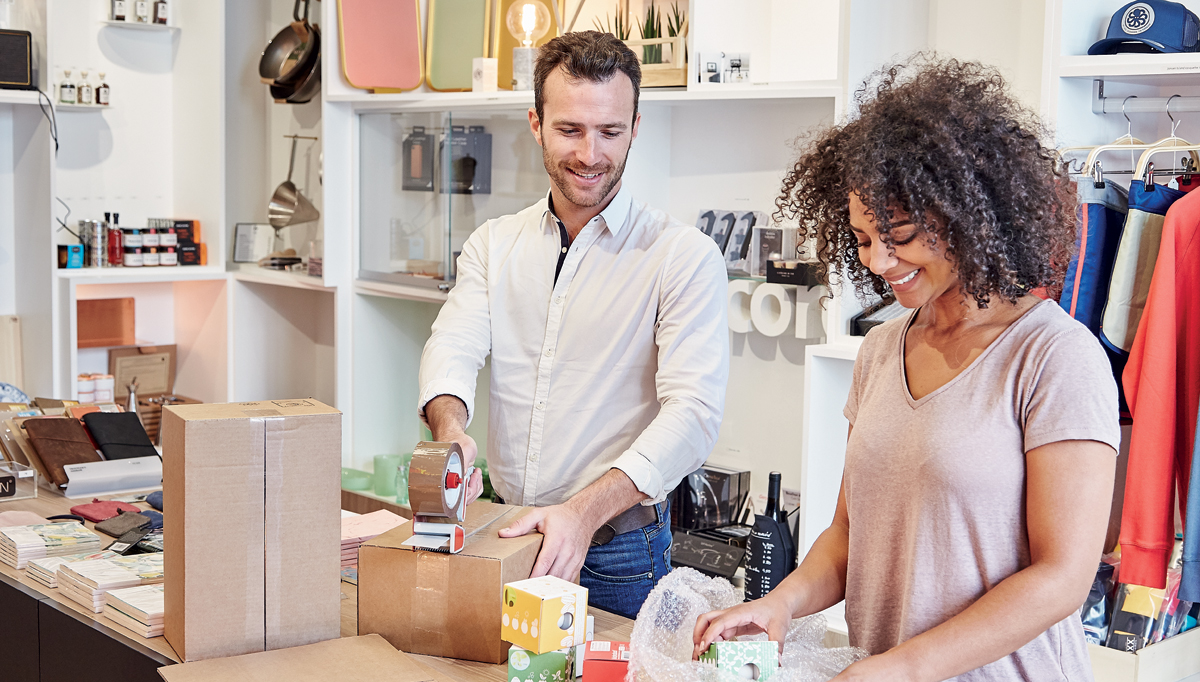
(358, 529)
(45, 571)
(20, 544)
(87, 581)
(138, 608)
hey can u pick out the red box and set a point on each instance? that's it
(605, 661)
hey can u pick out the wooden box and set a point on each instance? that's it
(669, 73)
(105, 322)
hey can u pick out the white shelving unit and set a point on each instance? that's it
(138, 26)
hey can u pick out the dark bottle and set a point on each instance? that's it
(770, 550)
(160, 12)
(116, 241)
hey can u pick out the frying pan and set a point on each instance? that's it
(307, 87)
(290, 55)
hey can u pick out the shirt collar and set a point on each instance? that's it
(615, 215)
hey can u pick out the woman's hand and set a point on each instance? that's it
(771, 615)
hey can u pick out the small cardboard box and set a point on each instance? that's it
(605, 661)
(362, 659)
(746, 660)
(1171, 660)
(251, 501)
(552, 666)
(439, 604)
(545, 614)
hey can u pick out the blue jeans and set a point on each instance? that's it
(620, 575)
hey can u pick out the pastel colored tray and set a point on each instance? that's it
(457, 33)
(380, 43)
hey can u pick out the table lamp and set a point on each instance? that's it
(527, 22)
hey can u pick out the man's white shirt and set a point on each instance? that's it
(621, 364)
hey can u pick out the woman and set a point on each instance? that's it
(984, 426)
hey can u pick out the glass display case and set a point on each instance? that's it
(428, 180)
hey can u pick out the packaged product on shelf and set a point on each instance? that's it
(1137, 608)
(190, 254)
(1097, 612)
(102, 92)
(150, 257)
(160, 12)
(66, 89)
(133, 238)
(85, 385)
(118, 10)
(418, 161)
(167, 256)
(84, 90)
(150, 237)
(141, 11)
(1173, 612)
(133, 258)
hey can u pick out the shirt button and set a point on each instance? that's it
(539, 405)
(558, 300)
(564, 249)
(549, 352)
(533, 457)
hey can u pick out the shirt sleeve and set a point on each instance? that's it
(852, 399)
(693, 368)
(1072, 394)
(462, 333)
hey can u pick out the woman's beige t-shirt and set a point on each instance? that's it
(935, 488)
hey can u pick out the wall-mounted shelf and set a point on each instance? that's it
(176, 273)
(19, 97)
(401, 291)
(249, 272)
(140, 26)
(1123, 66)
(423, 101)
(80, 107)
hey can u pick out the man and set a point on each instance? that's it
(606, 323)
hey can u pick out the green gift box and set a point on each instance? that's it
(747, 660)
(552, 666)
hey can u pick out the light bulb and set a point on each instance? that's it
(528, 21)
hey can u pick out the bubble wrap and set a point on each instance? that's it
(662, 636)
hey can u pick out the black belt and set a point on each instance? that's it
(637, 516)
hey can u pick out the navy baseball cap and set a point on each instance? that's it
(1150, 26)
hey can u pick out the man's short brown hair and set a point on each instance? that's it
(589, 55)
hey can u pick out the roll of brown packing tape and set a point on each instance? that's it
(437, 484)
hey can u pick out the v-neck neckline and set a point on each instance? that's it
(914, 403)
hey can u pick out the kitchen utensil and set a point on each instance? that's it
(303, 90)
(291, 54)
(288, 206)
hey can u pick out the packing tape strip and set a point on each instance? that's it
(430, 605)
(427, 494)
(274, 429)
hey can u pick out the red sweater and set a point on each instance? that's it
(1162, 386)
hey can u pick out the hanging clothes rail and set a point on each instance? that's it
(1139, 105)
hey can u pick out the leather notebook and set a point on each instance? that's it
(119, 435)
(120, 525)
(102, 510)
(60, 441)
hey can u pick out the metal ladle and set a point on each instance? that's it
(288, 206)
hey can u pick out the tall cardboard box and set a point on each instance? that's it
(251, 499)
(439, 604)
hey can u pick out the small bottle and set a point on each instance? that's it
(66, 89)
(118, 10)
(102, 91)
(160, 12)
(116, 243)
(141, 11)
(85, 91)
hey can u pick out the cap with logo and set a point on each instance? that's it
(1150, 26)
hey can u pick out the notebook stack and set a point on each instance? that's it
(45, 571)
(138, 608)
(357, 529)
(21, 544)
(87, 582)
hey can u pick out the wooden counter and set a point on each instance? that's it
(45, 631)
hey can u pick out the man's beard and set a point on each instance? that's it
(560, 176)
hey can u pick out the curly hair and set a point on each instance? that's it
(945, 141)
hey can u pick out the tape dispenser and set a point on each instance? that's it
(437, 495)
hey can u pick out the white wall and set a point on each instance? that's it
(1008, 34)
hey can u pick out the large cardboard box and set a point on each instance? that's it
(439, 604)
(251, 498)
(362, 659)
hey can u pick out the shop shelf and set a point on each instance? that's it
(249, 272)
(402, 291)
(141, 27)
(81, 107)
(133, 275)
(19, 97)
(1155, 68)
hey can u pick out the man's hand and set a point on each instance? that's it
(565, 546)
(447, 419)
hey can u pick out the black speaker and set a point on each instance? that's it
(16, 60)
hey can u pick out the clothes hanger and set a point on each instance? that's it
(1090, 166)
(1144, 170)
(1123, 141)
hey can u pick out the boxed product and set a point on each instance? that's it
(552, 666)
(745, 660)
(251, 504)
(544, 614)
(711, 496)
(605, 661)
(449, 605)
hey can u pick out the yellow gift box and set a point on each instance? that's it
(544, 614)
